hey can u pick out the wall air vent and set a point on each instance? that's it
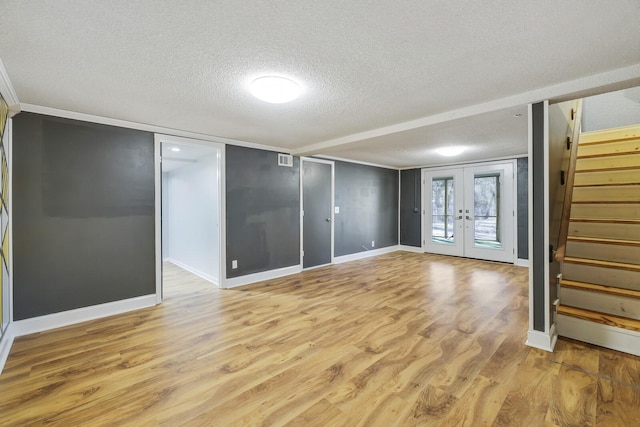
(285, 160)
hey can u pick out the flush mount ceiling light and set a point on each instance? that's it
(275, 90)
(449, 151)
(176, 149)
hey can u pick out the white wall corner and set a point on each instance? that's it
(247, 279)
(209, 278)
(522, 262)
(7, 91)
(79, 315)
(5, 345)
(542, 340)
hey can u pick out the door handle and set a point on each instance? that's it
(328, 219)
(460, 217)
(468, 217)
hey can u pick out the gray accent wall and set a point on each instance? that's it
(522, 209)
(368, 200)
(262, 211)
(539, 256)
(410, 205)
(83, 209)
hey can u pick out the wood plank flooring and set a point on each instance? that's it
(402, 339)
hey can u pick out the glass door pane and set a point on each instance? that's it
(442, 209)
(486, 211)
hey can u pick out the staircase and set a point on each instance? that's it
(600, 284)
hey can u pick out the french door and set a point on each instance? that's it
(469, 211)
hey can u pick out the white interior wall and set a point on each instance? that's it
(611, 110)
(190, 220)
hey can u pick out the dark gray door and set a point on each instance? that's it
(316, 205)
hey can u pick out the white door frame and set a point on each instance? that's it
(158, 140)
(328, 162)
(427, 205)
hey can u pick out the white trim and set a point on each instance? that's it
(7, 91)
(358, 162)
(530, 213)
(6, 341)
(205, 276)
(407, 248)
(262, 276)
(627, 74)
(520, 262)
(542, 340)
(79, 315)
(547, 208)
(48, 111)
(366, 254)
(333, 204)
(469, 162)
(596, 333)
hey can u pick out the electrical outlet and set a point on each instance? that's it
(234, 264)
(373, 243)
(336, 209)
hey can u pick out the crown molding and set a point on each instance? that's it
(7, 91)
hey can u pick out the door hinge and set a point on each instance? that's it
(302, 253)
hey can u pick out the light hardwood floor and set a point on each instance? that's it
(400, 339)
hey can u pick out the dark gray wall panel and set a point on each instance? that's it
(263, 211)
(523, 207)
(83, 214)
(539, 251)
(410, 202)
(368, 200)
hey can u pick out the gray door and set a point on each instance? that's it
(316, 220)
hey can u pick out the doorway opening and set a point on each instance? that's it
(190, 215)
(469, 211)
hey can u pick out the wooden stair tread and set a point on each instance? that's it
(608, 169)
(611, 290)
(611, 202)
(607, 220)
(603, 241)
(605, 264)
(607, 184)
(604, 318)
(613, 154)
(610, 135)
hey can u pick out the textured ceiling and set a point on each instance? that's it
(363, 65)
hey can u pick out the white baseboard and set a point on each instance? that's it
(542, 340)
(5, 345)
(415, 249)
(596, 333)
(365, 254)
(522, 262)
(79, 315)
(263, 275)
(197, 272)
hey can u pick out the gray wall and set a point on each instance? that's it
(611, 110)
(522, 210)
(410, 202)
(539, 255)
(83, 214)
(368, 200)
(263, 211)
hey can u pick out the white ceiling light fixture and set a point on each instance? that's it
(450, 151)
(274, 89)
(175, 149)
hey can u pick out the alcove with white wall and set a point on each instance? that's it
(190, 209)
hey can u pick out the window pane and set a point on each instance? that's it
(486, 208)
(437, 227)
(450, 197)
(437, 202)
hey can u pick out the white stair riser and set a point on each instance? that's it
(603, 211)
(604, 230)
(598, 334)
(602, 302)
(601, 276)
(627, 193)
(607, 177)
(604, 252)
(610, 147)
(630, 160)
